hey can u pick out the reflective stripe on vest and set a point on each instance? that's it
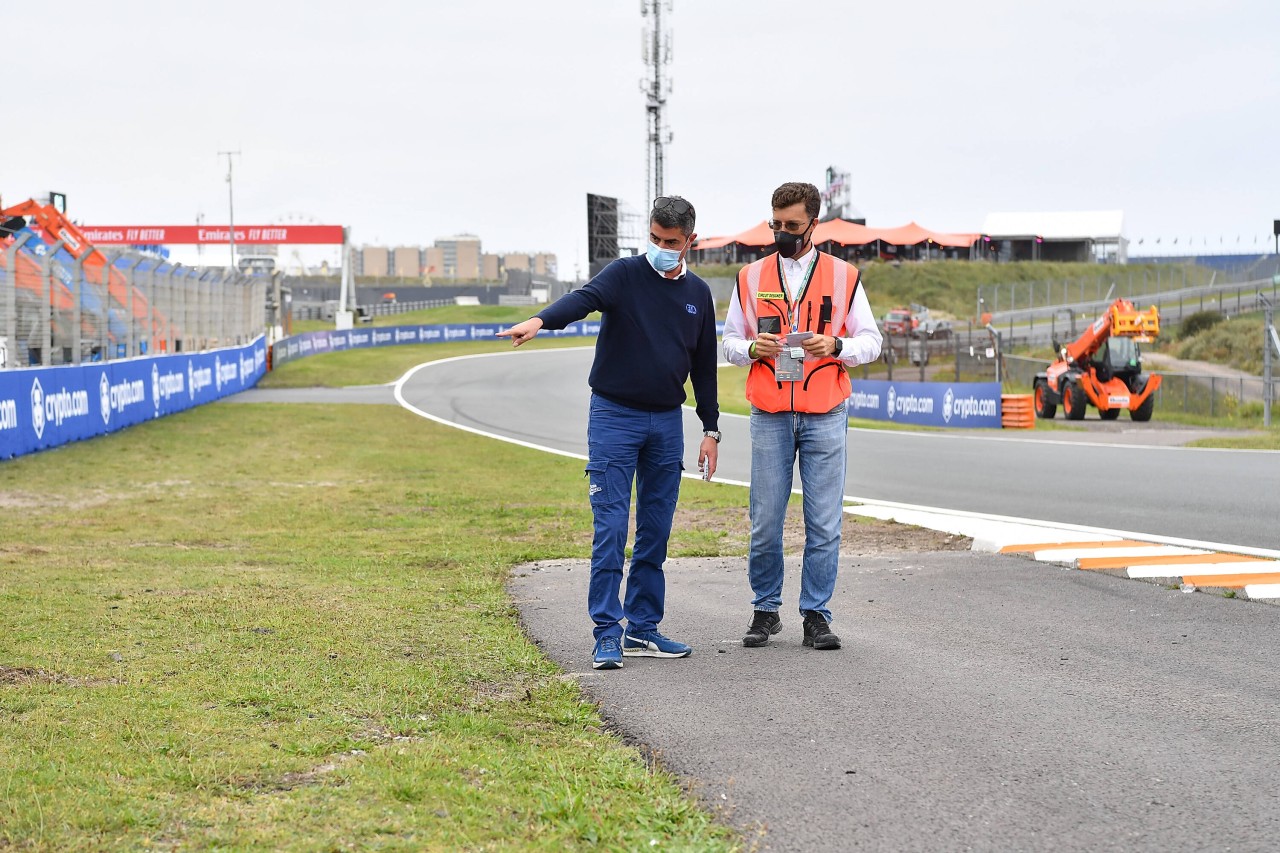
(762, 293)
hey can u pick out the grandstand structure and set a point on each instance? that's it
(1075, 236)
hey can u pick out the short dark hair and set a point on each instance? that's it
(793, 192)
(673, 211)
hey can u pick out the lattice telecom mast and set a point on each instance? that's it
(656, 51)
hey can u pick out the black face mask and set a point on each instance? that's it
(787, 243)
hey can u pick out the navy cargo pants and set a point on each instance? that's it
(625, 443)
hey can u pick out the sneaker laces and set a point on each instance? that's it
(761, 619)
(609, 644)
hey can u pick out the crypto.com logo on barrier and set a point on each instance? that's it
(37, 408)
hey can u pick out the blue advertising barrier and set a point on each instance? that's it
(42, 407)
(313, 343)
(944, 404)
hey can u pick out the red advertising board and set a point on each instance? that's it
(248, 235)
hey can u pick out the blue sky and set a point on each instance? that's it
(411, 121)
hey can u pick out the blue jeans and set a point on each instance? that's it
(625, 443)
(820, 442)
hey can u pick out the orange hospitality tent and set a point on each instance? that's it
(847, 233)
(713, 242)
(955, 240)
(844, 232)
(760, 235)
(904, 235)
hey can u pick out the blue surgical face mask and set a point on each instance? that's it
(662, 260)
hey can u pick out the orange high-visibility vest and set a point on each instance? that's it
(822, 308)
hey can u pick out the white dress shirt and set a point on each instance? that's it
(861, 335)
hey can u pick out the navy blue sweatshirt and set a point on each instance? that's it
(655, 333)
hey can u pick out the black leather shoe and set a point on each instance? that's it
(763, 623)
(817, 632)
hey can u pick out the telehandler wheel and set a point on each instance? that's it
(1108, 414)
(1074, 402)
(1044, 409)
(1143, 412)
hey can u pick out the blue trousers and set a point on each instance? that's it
(625, 444)
(819, 441)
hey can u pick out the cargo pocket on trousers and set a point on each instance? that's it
(599, 489)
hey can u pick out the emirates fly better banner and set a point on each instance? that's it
(131, 235)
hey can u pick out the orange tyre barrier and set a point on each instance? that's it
(1017, 411)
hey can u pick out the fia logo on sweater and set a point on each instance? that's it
(692, 309)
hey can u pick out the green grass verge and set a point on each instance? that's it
(1261, 441)
(286, 627)
(1237, 342)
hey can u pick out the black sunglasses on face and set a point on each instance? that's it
(678, 205)
(789, 226)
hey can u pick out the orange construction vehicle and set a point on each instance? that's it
(1102, 368)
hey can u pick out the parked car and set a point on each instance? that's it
(935, 328)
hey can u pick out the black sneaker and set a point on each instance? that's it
(817, 632)
(763, 623)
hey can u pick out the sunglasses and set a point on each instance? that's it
(678, 205)
(789, 226)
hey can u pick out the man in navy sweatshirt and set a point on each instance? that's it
(658, 329)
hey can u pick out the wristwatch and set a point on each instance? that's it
(712, 433)
(839, 348)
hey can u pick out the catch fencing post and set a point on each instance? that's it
(149, 294)
(222, 308)
(995, 338)
(172, 282)
(1269, 339)
(11, 299)
(104, 321)
(46, 311)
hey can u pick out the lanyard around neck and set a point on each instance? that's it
(794, 309)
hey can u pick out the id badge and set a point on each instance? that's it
(789, 368)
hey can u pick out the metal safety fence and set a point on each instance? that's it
(56, 309)
(1190, 393)
(972, 354)
(1045, 320)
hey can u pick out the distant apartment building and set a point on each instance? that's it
(433, 261)
(540, 264)
(451, 259)
(408, 262)
(461, 257)
(373, 261)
